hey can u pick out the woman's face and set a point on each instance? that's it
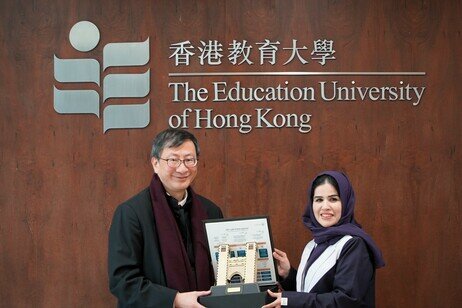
(327, 206)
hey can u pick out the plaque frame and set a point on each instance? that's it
(236, 232)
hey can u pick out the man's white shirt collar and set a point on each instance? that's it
(182, 202)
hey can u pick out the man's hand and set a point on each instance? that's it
(283, 263)
(189, 299)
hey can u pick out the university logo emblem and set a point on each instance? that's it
(84, 37)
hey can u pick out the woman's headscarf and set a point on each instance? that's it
(347, 224)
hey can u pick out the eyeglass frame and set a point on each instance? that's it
(180, 161)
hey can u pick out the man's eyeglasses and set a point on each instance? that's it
(176, 162)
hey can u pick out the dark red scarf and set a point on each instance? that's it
(178, 271)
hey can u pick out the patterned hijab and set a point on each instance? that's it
(347, 224)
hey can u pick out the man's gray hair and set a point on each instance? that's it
(172, 138)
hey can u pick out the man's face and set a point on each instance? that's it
(176, 180)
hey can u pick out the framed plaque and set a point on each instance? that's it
(240, 241)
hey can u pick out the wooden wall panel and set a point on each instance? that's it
(61, 177)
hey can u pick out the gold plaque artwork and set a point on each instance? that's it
(240, 269)
(241, 251)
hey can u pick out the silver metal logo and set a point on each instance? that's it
(84, 36)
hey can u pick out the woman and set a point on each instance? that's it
(337, 268)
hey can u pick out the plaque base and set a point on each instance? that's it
(245, 295)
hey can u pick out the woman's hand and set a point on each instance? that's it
(283, 263)
(277, 302)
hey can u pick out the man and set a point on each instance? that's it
(158, 252)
